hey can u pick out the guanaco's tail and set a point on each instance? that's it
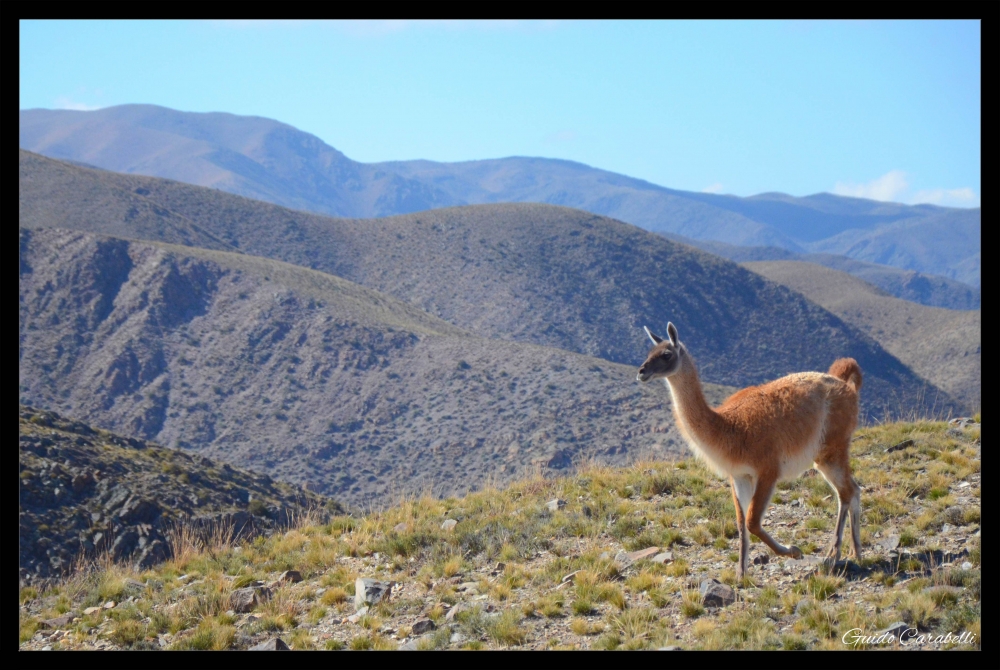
(848, 370)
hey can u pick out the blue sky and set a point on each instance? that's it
(882, 109)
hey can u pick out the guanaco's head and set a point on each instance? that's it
(664, 358)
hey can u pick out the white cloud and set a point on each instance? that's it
(62, 102)
(894, 187)
(887, 188)
(713, 188)
(954, 197)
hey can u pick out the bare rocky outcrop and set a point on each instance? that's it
(86, 492)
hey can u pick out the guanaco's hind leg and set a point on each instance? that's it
(742, 492)
(837, 473)
(761, 499)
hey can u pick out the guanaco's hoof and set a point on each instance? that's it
(795, 552)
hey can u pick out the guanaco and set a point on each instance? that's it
(768, 433)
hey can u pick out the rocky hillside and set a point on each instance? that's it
(84, 493)
(531, 273)
(634, 558)
(308, 377)
(943, 346)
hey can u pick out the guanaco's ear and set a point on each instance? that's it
(655, 338)
(672, 333)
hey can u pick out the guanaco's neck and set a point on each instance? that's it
(695, 417)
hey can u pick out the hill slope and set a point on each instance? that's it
(83, 492)
(943, 346)
(265, 159)
(532, 273)
(517, 571)
(925, 289)
(307, 377)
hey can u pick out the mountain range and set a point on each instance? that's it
(540, 274)
(924, 289)
(267, 160)
(436, 351)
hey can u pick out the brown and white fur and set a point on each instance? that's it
(768, 433)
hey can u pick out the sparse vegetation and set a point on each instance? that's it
(537, 582)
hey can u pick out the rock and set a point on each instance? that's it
(57, 622)
(356, 617)
(802, 605)
(124, 544)
(449, 525)
(290, 576)
(139, 510)
(899, 630)
(643, 554)
(110, 605)
(954, 515)
(804, 563)
(370, 592)
(457, 638)
(246, 599)
(409, 646)
(605, 556)
(761, 559)
(947, 528)
(91, 610)
(400, 528)
(152, 553)
(899, 447)
(963, 422)
(470, 587)
(626, 559)
(274, 644)
(889, 542)
(967, 566)
(795, 503)
(60, 621)
(663, 557)
(555, 505)
(423, 626)
(671, 648)
(716, 594)
(82, 482)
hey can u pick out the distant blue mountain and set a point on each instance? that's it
(268, 160)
